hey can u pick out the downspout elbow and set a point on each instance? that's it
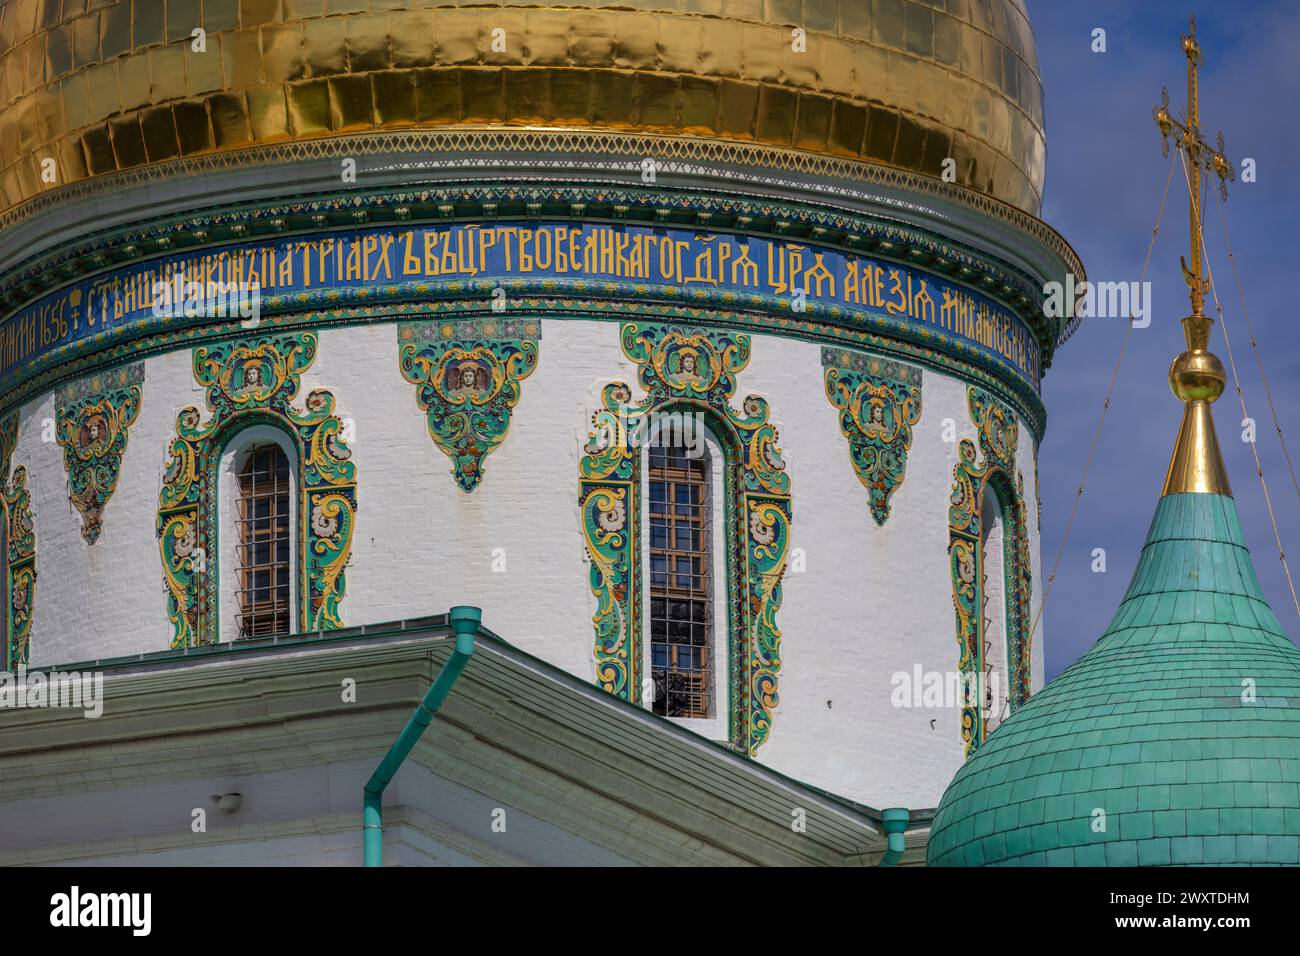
(894, 820)
(465, 623)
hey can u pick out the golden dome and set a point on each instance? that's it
(107, 85)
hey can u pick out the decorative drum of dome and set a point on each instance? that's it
(662, 332)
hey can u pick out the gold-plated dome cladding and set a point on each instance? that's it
(106, 85)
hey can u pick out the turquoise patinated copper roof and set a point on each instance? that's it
(1174, 740)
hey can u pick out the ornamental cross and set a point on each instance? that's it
(1200, 156)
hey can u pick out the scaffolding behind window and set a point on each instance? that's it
(265, 542)
(681, 587)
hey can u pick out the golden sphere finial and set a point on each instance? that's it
(1197, 375)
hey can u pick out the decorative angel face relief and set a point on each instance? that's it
(93, 435)
(252, 377)
(686, 362)
(468, 380)
(92, 420)
(879, 402)
(468, 376)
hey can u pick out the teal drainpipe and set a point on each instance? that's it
(464, 624)
(895, 822)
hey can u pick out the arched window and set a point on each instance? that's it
(698, 568)
(264, 542)
(995, 702)
(248, 551)
(988, 548)
(682, 626)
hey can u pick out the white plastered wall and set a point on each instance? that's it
(108, 599)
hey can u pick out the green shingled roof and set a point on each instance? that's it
(1150, 727)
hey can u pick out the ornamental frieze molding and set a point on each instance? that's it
(879, 403)
(468, 377)
(20, 539)
(397, 262)
(93, 416)
(693, 371)
(993, 466)
(561, 300)
(254, 381)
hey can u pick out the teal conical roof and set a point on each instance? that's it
(1174, 740)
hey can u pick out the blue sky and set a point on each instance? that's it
(1105, 175)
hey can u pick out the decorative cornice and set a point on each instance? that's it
(876, 235)
(610, 301)
(483, 151)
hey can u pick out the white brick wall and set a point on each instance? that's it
(871, 602)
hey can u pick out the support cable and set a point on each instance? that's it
(1101, 421)
(1254, 345)
(1241, 397)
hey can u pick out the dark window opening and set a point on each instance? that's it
(681, 592)
(265, 543)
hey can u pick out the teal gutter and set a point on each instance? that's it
(464, 624)
(284, 642)
(894, 820)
